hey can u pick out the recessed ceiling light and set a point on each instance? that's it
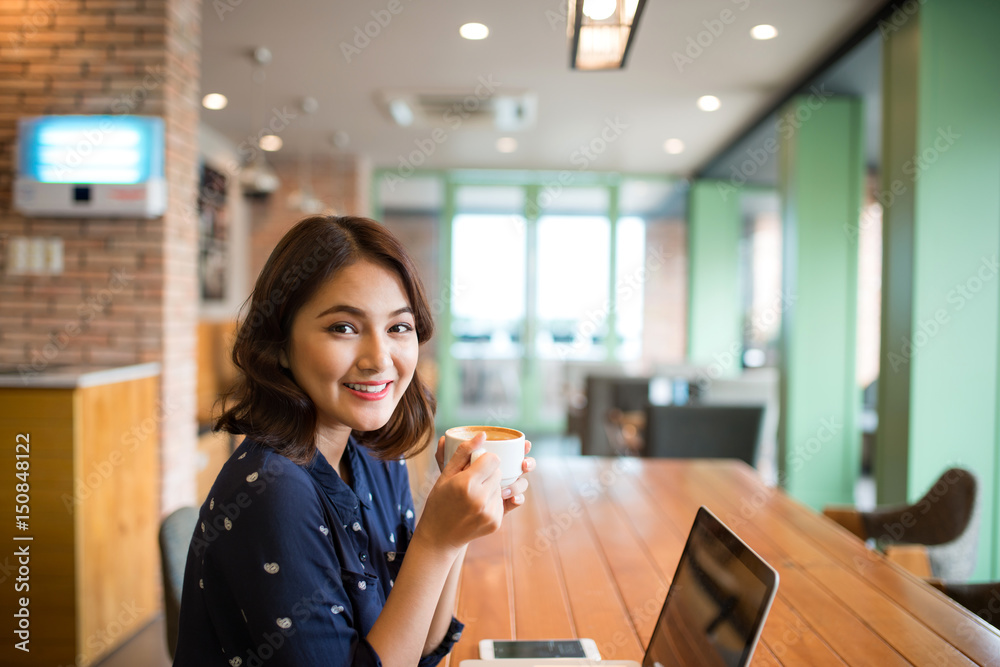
(214, 101)
(673, 146)
(270, 142)
(506, 144)
(598, 10)
(474, 31)
(340, 139)
(401, 112)
(709, 103)
(763, 31)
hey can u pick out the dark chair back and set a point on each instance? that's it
(703, 431)
(175, 538)
(946, 520)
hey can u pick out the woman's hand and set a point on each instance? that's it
(465, 502)
(513, 495)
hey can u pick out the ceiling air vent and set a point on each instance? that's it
(482, 107)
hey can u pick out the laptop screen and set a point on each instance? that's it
(717, 603)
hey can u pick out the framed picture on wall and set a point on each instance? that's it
(213, 235)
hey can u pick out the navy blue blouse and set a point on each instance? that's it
(290, 566)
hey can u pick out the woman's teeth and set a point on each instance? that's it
(367, 388)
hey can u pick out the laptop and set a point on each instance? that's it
(714, 612)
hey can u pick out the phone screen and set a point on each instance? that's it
(562, 648)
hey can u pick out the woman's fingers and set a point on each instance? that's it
(513, 503)
(485, 468)
(518, 487)
(513, 495)
(463, 455)
(528, 464)
(465, 502)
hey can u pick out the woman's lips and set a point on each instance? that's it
(367, 390)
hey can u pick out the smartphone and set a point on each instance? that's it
(490, 649)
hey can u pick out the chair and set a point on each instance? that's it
(945, 521)
(703, 431)
(980, 599)
(603, 395)
(175, 538)
(624, 431)
(755, 386)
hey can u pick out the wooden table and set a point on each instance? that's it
(592, 552)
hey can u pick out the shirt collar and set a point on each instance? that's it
(360, 471)
(340, 494)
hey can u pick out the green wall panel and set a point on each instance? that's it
(956, 287)
(821, 174)
(714, 315)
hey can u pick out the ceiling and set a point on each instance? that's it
(419, 50)
(858, 74)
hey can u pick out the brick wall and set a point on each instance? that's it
(128, 292)
(180, 249)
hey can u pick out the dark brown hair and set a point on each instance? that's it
(265, 403)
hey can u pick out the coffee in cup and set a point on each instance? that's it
(506, 443)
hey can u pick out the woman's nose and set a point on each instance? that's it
(375, 354)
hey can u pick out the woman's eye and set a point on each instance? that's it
(402, 327)
(340, 327)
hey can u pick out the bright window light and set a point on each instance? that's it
(633, 270)
(488, 269)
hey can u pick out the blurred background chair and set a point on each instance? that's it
(754, 386)
(625, 431)
(175, 538)
(606, 393)
(703, 431)
(980, 599)
(945, 521)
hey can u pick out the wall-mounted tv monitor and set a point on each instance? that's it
(91, 166)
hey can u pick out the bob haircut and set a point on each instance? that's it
(265, 403)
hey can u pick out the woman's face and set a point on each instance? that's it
(353, 348)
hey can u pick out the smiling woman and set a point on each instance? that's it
(301, 280)
(308, 551)
(352, 356)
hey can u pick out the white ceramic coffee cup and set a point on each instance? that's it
(507, 443)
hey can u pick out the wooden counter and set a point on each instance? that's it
(92, 442)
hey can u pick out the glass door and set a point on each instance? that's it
(545, 287)
(573, 309)
(488, 304)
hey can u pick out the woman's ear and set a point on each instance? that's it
(283, 359)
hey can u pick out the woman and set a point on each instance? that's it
(298, 558)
